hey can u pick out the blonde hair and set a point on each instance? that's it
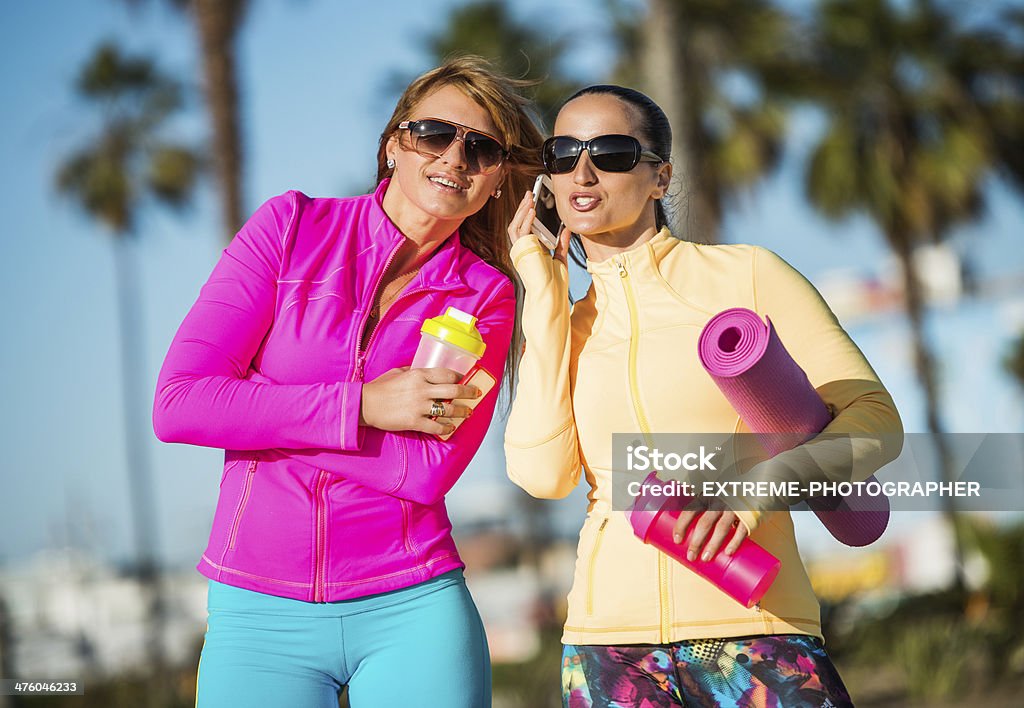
(484, 233)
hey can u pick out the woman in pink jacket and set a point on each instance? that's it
(331, 560)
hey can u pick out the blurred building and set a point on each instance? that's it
(519, 590)
(858, 294)
(918, 559)
(72, 615)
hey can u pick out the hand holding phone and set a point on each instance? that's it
(546, 223)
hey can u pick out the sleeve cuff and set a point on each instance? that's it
(527, 244)
(749, 518)
(351, 402)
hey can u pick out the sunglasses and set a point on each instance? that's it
(609, 153)
(432, 137)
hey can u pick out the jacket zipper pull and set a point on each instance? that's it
(359, 367)
(622, 269)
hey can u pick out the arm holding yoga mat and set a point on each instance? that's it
(773, 397)
(866, 432)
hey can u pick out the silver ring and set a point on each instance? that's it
(437, 409)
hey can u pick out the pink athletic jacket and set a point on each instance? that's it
(267, 365)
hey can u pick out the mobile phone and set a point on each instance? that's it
(546, 223)
(483, 380)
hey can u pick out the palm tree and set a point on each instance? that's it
(909, 141)
(702, 61)
(515, 47)
(111, 178)
(992, 67)
(217, 24)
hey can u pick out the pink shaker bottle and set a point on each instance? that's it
(745, 576)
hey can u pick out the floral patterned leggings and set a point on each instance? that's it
(778, 671)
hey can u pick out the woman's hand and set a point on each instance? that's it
(522, 225)
(714, 527)
(402, 398)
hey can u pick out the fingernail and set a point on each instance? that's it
(477, 392)
(706, 557)
(469, 412)
(678, 538)
(691, 556)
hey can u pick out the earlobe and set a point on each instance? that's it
(664, 179)
(389, 152)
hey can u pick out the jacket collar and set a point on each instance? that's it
(442, 269)
(642, 257)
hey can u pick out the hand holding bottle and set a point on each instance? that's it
(404, 399)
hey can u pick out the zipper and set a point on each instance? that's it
(645, 429)
(405, 527)
(593, 563)
(242, 502)
(320, 547)
(634, 335)
(764, 620)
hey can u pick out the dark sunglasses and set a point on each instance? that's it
(432, 137)
(609, 153)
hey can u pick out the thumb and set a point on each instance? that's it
(562, 247)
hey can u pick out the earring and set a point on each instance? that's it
(391, 164)
(497, 193)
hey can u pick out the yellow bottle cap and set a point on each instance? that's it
(457, 328)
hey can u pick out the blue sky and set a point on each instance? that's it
(314, 75)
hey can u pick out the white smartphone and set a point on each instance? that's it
(546, 223)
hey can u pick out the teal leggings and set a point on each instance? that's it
(423, 645)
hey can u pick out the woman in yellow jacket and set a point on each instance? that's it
(643, 629)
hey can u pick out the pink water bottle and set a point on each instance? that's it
(745, 576)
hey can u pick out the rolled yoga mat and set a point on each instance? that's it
(772, 395)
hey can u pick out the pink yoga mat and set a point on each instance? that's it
(772, 395)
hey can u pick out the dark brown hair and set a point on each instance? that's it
(656, 132)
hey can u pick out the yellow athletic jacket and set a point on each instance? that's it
(624, 360)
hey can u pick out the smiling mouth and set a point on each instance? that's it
(449, 184)
(584, 203)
